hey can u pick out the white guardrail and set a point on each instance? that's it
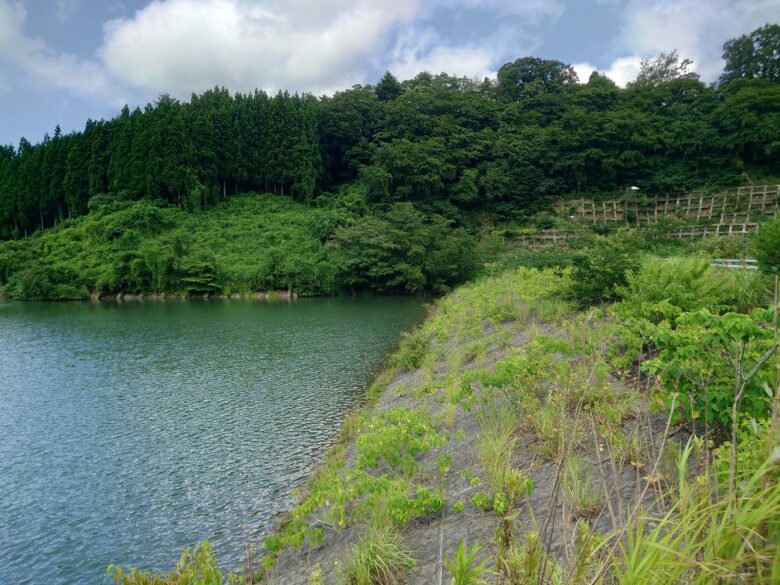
(737, 263)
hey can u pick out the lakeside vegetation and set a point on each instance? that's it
(634, 440)
(248, 243)
(372, 176)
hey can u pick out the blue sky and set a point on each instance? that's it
(62, 61)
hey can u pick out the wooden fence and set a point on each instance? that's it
(720, 229)
(738, 206)
(546, 238)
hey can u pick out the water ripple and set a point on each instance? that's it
(129, 431)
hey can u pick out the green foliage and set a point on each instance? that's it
(528, 563)
(768, 246)
(413, 349)
(195, 567)
(700, 359)
(390, 441)
(380, 558)
(396, 437)
(706, 539)
(401, 250)
(200, 276)
(602, 268)
(581, 491)
(316, 575)
(528, 77)
(496, 450)
(388, 87)
(667, 67)
(685, 283)
(464, 569)
(248, 243)
(753, 56)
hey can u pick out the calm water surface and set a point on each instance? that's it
(129, 431)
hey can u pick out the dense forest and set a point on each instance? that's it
(449, 146)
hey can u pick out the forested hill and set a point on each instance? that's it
(436, 140)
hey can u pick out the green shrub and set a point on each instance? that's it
(768, 246)
(248, 242)
(200, 276)
(195, 567)
(602, 268)
(32, 284)
(686, 283)
(545, 223)
(698, 362)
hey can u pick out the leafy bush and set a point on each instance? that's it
(685, 283)
(396, 437)
(200, 276)
(402, 250)
(32, 284)
(545, 223)
(248, 243)
(768, 246)
(702, 358)
(602, 268)
(195, 567)
(41, 282)
(414, 346)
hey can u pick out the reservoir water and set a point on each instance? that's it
(129, 431)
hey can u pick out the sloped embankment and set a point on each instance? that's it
(498, 423)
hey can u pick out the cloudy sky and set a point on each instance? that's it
(62, 61)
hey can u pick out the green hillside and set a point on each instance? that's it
(246, 243)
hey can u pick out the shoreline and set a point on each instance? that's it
(433, 397)
(282, 295)
(272, 295)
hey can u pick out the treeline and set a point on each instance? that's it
(189, 155)
(448, 144)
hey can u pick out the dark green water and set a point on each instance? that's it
(129, 431)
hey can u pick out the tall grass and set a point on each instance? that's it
(380, 558)
(707, 538)
(581, 489)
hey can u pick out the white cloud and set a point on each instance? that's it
(583, 71)
(423, 50)
(49, 69)
(697, 29)
(621, 71)
(421, 47)
(180, 46)
(185, 46)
